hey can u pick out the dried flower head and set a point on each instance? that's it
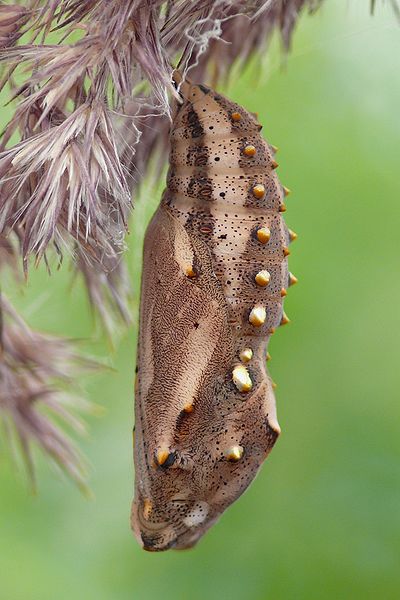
(87, 100)
(13, 17)
(35, 370)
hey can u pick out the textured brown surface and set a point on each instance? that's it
(201, 257)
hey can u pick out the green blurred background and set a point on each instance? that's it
(322, 519)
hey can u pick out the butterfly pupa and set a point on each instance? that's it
(214, 268)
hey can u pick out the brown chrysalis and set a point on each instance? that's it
(214, 278)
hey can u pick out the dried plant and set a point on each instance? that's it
(93, 106)
(35, 369)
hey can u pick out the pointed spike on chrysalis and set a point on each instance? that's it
(274, 148)
(274, 385)
(292, 279)
(190, 272)
(234, 453)
(162, 455)
(263, 235)
(268, 356)
(286, 190)
(241, 378)
(292, 235)
(285, 319)
(262, 278)
(283, 292)
(258, 190)
(274, 164)
(188, 408)
(236, 116)
(286, 251)
(257, 316)
(246, 355)
(282, 207)
(250, 150)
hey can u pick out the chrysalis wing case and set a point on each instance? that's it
(214, 277)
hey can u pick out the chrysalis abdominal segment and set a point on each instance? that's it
(214, 278)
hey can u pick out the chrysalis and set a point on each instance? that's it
(214, 278)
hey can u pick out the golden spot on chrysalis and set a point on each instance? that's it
(162, 455)
(292, 235)
(286, 251)
(147, 508)
(283, 292)
(190, 272)
(257, 316)
(246, 355)
(188, 408)
(274, 385)
(250, 150)
(285, 319)
(292, 279)
(234, 453)
(286, 190)
(272, 330)
(274, 164)
(268, 356)
(236, 116)
(282, 207)
(274, 148)
(241, 378)
(258, 190)
(262, 278)
(263, 235)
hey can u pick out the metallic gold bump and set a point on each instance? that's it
(188, 408)
(292, 279)
(147, 508)
(268, 356)
(286, 190)
(241, 378)
(282, 207)
(263, 278)
(235, 116)
(274, 148)
(190, 272)
(286, 251)
(272, 330)
(257, 316)
(292, 235)
(250, 150)
(285, 319)
(263, 235)
(283, 292)
(274, 385)
(274, 164)
(246, 355)
(162, 455)
(234, 453)
(258, 190)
